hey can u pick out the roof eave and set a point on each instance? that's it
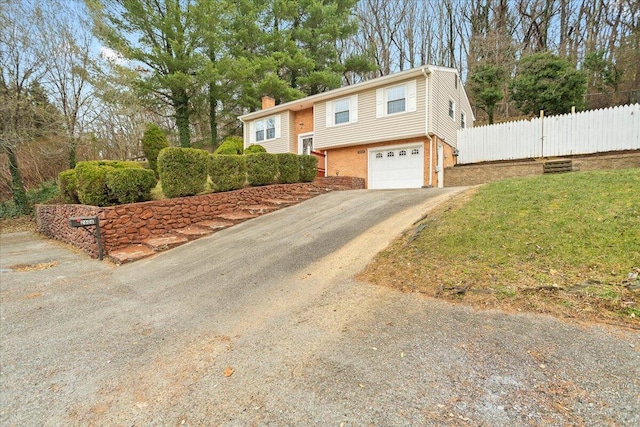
(309, 101)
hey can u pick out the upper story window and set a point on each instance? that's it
(265, 129)
(452, 109)
(463, 120)
(396, 99)
(342, 111)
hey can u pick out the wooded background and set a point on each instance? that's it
(82, 79)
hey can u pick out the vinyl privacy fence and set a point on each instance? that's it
(610, 129)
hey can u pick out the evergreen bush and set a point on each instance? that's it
(130, 185)
(231, 145)
(255, 148)
(289, 168)
(92, 180)
(68, 186)
(153, 141)
(227, 172)
(183, 171)
(262, 168)
(308, 167)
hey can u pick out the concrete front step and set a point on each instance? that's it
(164, 243)
(260, 209)
(279, 202)
(214, 224)
(193, 232)
(130, 253)
(236, 217)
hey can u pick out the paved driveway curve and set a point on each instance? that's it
(263, 324)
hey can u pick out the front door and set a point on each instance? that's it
(305, 143)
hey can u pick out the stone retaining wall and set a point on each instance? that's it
(480, 173)
(132, 223)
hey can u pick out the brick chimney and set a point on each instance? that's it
(268, 102)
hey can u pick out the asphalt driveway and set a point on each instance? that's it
(263, 324)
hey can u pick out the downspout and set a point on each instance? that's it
(326, 163)
(430, 161)
(426, 72)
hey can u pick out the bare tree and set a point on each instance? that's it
(67, 42)
(23, 64)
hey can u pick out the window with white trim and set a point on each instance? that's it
(463, 120)
(396, 99)
(265, 129)
(452, 109)
(342, 111)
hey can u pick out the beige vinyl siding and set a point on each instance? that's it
(277, 145)
(443, 89)
(368, 128)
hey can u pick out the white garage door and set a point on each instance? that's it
(396, 167)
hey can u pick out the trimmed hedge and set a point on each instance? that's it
(255, 148)
(227, 172)
(183, 171)
(231, 145)
(92, 180)
(308, 167)
(262, 169)
(289, 168)
(68, 186)
(153, 141)
(130, 185)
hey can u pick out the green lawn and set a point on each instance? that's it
(563, 244)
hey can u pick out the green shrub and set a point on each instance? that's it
(262, 168)
(230, 145)
(227, 172)
(289, 168)
(68, 186)
(153, 141)
(92, 186)
(46, 192)
(130, 185)
(92, 180)
(255, 148)
(183, 171)
(308, 167)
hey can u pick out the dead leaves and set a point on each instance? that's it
(33, 267)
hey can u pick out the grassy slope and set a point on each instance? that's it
(562, 244)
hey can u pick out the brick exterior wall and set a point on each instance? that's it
(481, 173)
(353, 160)
(303, 123)
(132, 223)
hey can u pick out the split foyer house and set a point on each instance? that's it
(396, 131)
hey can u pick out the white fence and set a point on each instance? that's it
(610, 129)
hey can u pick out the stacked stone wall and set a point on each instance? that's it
(475, 174)
(129, 224)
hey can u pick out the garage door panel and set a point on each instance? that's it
(396, 167)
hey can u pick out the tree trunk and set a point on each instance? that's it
(213, 118)
(17, 187)
(181, 102)
(72, 153)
